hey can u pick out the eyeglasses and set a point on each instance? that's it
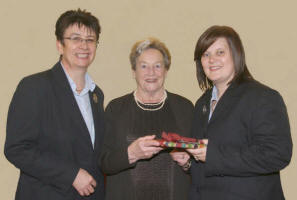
(78, 40)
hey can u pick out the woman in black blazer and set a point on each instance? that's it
(244, 123)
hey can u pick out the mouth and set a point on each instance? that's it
(82, 55)
(151, 80)
(214, 68)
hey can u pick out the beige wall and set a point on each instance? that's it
(268, 31)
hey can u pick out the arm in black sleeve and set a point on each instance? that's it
(114, 157)
(24, 131)
(270, 149)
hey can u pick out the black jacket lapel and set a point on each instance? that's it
(95, 104)
(200, 121)
(225, 103)
(67, 100)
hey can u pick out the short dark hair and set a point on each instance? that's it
(237, 51)
(150, 43)
(79, 17)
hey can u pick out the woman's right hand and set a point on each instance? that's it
(200, 153)
(143, 148)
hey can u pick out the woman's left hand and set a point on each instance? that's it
(199, 154)
(180, 157)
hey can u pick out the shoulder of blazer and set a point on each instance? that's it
(40, 79)
(254, 88)
(37, 82)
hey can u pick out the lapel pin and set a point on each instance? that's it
(95, 98)
(204, 109)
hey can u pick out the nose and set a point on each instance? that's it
(83, 44)
(211, 58)
(151, 70)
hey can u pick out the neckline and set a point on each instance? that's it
(150, 106)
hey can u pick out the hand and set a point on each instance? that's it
(199, 154)
(180, 157)
(84, 183)
(143, 148)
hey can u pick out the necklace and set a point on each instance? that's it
(159, 104)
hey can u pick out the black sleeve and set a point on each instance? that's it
(114, 158)
(270, 149)
(24, 130)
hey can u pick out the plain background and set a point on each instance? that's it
(267, 28)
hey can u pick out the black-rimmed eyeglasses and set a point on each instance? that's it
(79, 40)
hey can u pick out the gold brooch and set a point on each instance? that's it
(95, 98)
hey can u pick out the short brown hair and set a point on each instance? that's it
(149, 43)
(237, 52)
(79, 17)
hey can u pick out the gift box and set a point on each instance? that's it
(174, 140)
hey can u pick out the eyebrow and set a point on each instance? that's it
(158, 62)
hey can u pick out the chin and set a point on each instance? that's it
(83, 65)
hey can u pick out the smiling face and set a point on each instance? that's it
(76, 54)
(218, 63)
(150, 72)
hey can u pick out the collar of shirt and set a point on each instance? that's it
(89, 83)
(214, 96)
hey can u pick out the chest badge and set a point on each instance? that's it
(95, 98)
(204, 109)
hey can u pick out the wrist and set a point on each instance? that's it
(131, 157)
(187, 165)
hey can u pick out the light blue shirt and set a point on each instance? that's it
(83, 102)
(214, 96)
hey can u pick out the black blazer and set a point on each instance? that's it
(249, 143)
(48, 140)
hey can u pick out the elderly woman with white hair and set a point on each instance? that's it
(137, 167)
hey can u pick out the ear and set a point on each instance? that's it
(60, 47)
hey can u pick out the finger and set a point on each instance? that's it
(193, 151)
(150, 149)
(93, 183)
(182, 154)
(178, 155)
(205, 141)
(196, 157)
(86, 192)
(148, 137)
(91, 189)
(81, 193)
(156, 150)
(187, 156)
(151, 143)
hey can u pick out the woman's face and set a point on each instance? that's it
(217, 63)
(150, 71)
